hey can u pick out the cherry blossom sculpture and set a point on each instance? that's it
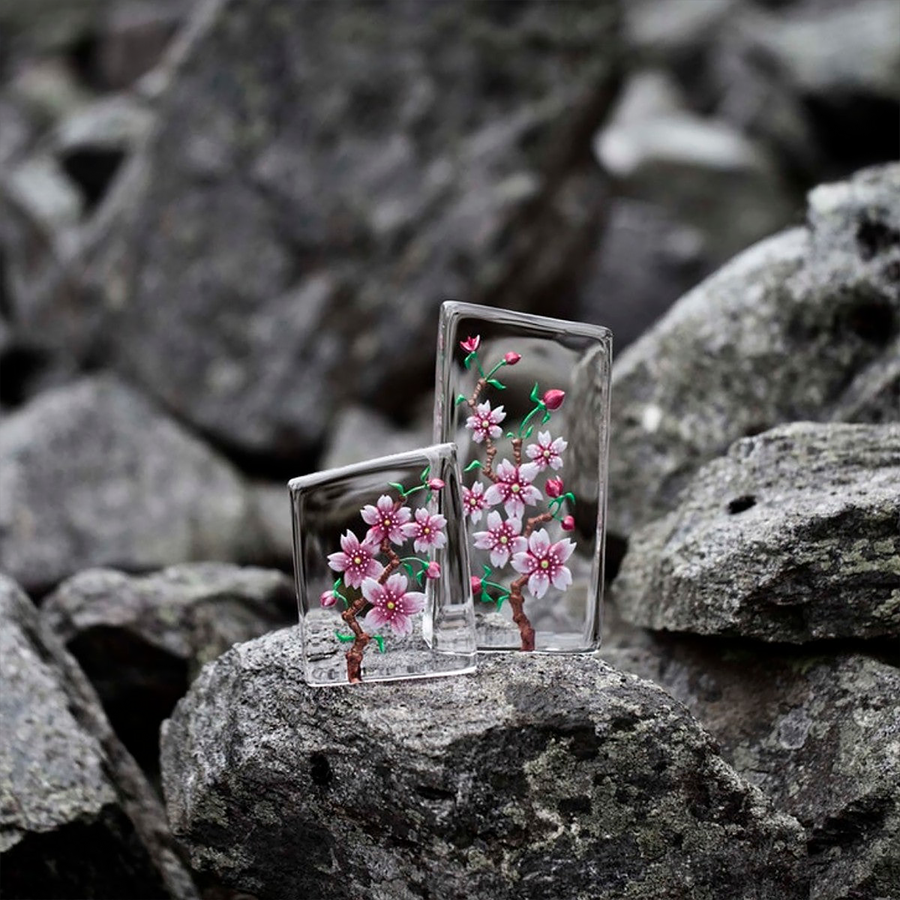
(506, 383)
(398, 586)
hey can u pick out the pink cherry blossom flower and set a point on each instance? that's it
(327, 599)
(427, 530)
(568, 523)
(387, 520)
(512, 358)
(473, 501)
(392, 604)
(357, 561)
(554, 487)
(435, 484)
(433, 570)
(513, 488)
(544, 563)
(547, 451)
(486, 422)
(553, 399)
(471, 344)
(502, 538)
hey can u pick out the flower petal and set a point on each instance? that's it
(561, 578)
(539, 542)
(538, 583)
(372, 590)
(338, 561)
(523, 562)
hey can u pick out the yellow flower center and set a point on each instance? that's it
(426, 530)
(515, 489)
(390, 604)
(357, 560)
(504, 539)
(545, 564)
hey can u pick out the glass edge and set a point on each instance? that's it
(452, 310)
(316, 479)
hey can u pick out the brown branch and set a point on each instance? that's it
(532, 523)
(488, 467)
(517, 450)
(394, 563)
(517, 602)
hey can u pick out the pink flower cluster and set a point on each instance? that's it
(390, 522)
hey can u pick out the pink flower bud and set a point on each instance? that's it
(327, 599)
(553, 399)
(554, 487)
(568, 523)
(512, 358)
(476, 585)
(435, 484)
(433, 570)
(471, 344)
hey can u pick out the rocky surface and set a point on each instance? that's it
(782, 333)
(93, 474)
(817, 732)
(336, 216)
(76, 817)
(142, 640)
(792, 536)
(539, 777)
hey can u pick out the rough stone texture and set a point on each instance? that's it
(93, 474)
(782, 333)
(794, 535)
(142, 640)
(819, 734)
(76, 817)
(539, 777)
(347, 167)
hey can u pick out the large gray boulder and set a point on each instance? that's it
(799, 327)
(817, 733)
(142, 640)
(793, 535)
(538, 777)
(347, 167)
(94, 474)
(77, 819)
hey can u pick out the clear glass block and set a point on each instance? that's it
(381, 570)
(526, 399)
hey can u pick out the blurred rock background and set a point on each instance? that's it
(225, 232)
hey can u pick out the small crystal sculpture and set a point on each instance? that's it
(381, 570)
(526, 398)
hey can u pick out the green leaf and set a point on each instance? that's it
(379, 639)
(500, 600)
(487, 570)
(334, 587)
(496, 384)
(409, 570)
(568, 496)
(534, 393)
(475, 464)
(546, 418)
(397, 487)
(528, 433)
(462, 398)
(467, 362)
(425, 473)
(344, 638)
(486, 597)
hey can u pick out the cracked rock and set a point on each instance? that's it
(794, 535)
(798, 327)
(819, 734)
(537, 777)
(76, 817)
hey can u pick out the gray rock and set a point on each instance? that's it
(783, 719)
(346, 168)
(535, 778)
(77, 819)
(142, 640)
(93, 474)
(360, 433)
(705, 172)
(794, 535)
(779, 334)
